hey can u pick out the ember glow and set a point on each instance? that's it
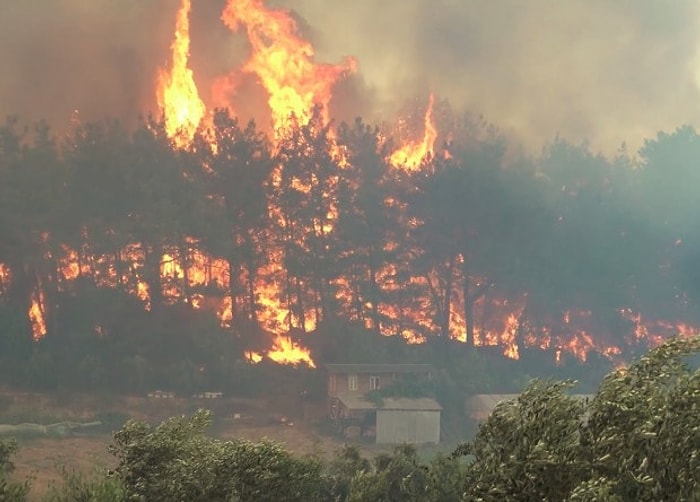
(176, 89)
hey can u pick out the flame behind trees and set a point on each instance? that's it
(282, 241)
(413, 153)
(177, 92)
(281, 238)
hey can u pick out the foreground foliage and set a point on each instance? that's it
(638, 439)
(176, 461)
(10, 490)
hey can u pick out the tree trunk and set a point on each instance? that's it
(374, 290)
(233, 278)
(184, 259)
(445, 314)
(153, 256)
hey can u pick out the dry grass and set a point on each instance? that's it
(255, 420)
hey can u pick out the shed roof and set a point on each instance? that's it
(357, 402)
(378, 368)
(410, 404)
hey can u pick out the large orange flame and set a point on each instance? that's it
(285, 351)
(412, 154)
(203, 270)
(283, 61)
(36, 314)
(177, 92)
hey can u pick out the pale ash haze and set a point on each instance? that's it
(598, 70)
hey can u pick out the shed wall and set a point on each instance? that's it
(408, 426)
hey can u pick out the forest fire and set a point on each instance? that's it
(299, 257)
(176, 89)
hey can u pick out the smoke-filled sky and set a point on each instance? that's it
(588, 69)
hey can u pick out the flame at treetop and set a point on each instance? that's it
(177, 92)
(412, 154)
(283, 61)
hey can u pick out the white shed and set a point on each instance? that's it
(404, 420)
(398, 420)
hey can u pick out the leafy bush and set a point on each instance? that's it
(176, 461)
(638, 439)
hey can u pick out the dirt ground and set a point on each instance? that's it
(300, 432)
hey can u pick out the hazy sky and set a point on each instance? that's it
(606, 71)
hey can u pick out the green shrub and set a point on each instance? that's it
(177, 461)
(10, 491)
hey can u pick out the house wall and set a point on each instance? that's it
(339, 382)
(408, 426)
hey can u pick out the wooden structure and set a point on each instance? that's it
(364, 378)
(387, 420)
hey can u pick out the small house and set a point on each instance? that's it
(387, 420)
(480, 406)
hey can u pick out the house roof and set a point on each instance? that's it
(377, 368)
(357, 402)
(484, 404)
(488, 401)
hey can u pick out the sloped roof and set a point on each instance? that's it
(377, 368)
(357, 402)
(410, 404)
(481, 405)
(488, 401)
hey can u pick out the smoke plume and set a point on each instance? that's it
(592, 70)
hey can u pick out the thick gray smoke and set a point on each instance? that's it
(97, 57)
(588, 69)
